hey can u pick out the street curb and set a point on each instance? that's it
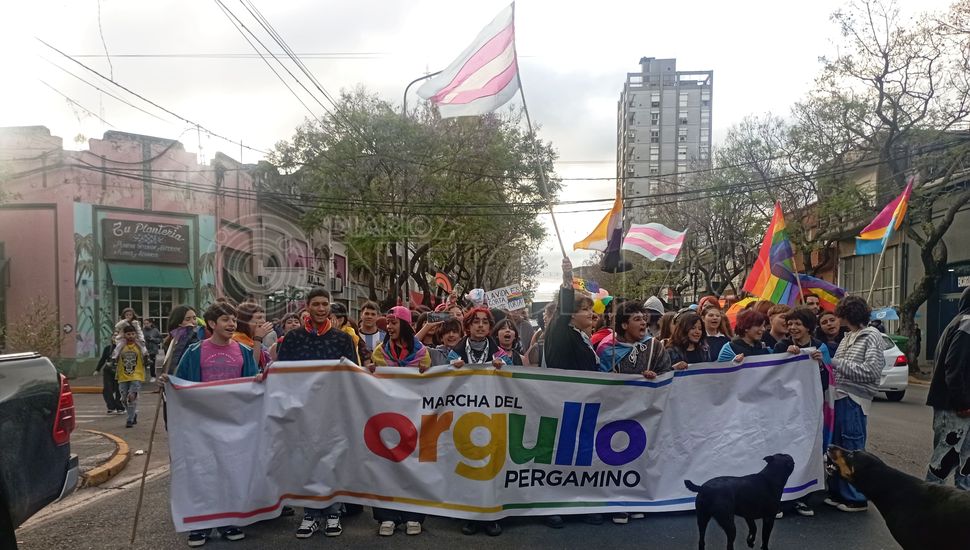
(100, 474)
(85, 389)
(918, 382)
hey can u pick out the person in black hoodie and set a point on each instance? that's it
(949, 396)
(749, 329)
(567, 344)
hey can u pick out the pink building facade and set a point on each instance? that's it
(135, 221)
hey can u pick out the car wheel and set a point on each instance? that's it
(895, 395)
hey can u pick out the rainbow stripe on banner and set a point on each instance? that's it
(876, 235)
(773, 276)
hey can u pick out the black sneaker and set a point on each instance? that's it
(492, 528)
(198, 538)
(287, 511)
(593, 519)
(555, 522)
(804, 509)
(308, 527)
(135, 421)
(333, 527)
(470, 528)
(129, 424)
(232, 533)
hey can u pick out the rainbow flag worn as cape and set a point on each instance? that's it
(874, 237)
(773, 275)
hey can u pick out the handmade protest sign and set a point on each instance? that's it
(482, 443)
(508, 298)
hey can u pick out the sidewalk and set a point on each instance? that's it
(93, 383)
(101, 456)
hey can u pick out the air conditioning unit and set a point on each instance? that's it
(336, 284)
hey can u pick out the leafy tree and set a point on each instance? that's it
(411, 196)
(896, 97)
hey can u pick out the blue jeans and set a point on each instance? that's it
(951, 449)
(850, 434)
(129, 396)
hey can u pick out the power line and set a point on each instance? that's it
(228, 55)
(75, 103)
(156, 105)
(107, 93)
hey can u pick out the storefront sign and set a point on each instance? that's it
(135, 241)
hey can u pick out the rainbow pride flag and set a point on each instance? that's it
(773, 276)
(828, 294)
(874, 237)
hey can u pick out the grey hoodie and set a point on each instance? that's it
(859, 362)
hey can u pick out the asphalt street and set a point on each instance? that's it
(101, 518)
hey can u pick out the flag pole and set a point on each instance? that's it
(535, 146)
(875, 276)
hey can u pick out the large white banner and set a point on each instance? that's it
(484, 443)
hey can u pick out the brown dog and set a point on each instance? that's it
(920, 515)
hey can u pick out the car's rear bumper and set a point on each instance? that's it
(70, 480)
(895, 379)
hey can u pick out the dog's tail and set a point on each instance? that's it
(692, 486)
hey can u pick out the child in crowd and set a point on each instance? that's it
(218, 357)
(130, 356)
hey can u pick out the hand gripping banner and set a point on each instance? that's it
(481, 443)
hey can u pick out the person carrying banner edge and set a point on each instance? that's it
(318, 340)
(218, 357)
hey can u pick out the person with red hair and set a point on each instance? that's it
(750, 328)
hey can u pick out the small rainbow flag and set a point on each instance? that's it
(773, 275)
(874, 237)
(587, 285)
(828, 294)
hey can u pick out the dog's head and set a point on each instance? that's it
(780, 463)
(848, 464)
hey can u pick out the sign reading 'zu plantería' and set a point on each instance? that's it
(135, 241)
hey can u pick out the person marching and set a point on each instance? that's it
(130, 355)
(318, 340)
(750, 328)
(400, 348)
(218, 357)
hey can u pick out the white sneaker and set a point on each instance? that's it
(386, 528)
(152, 380)
(308, 527)
(413, 528)
(333, 527)
(779, 515)
(637, 515)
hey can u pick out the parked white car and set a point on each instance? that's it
(895, 375)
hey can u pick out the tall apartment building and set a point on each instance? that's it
(663, 130)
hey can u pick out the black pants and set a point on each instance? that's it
(109, 390)
(151, 363)
(397, 516)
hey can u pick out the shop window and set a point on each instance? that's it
(154, 303)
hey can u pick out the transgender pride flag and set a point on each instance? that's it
(654, 241)
(483, 78)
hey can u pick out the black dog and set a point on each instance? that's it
(751, 497)
(919, 514)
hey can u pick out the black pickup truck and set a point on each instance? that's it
(36, 421)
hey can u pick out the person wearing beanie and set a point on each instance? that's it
(654, 310)
(400, 348)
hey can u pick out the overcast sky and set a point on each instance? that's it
(574, 57)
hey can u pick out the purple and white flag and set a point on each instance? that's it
(483, 78)
(654, 241)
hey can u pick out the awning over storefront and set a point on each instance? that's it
(152, 275)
